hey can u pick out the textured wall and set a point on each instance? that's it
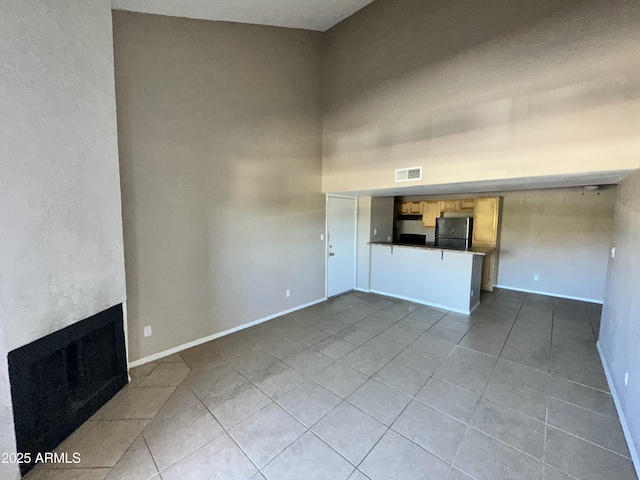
(620, 325)
(62, 255)
(220, 148)
(479, 90)
(7, 438)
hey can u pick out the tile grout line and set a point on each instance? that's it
(510, 330)
(581, 408)
(590, 442)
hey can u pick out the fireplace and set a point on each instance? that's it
(59, 381)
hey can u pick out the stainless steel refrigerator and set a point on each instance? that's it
(455, 233)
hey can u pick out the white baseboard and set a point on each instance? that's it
(549, 294)
(474, 307)
(422, 302)
(200, 341)
(363, 290)
(623, 419)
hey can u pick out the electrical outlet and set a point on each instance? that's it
(535, 278)
(147, 331)
(626, 378)
(322, 236)
(287, 293)
(388, 239)
(375, 231)
(613, 252)
(472, 293)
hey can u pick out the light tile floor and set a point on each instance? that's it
(364, 386)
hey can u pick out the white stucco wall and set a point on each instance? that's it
(8, 471)
(61, 258)
(62, 255)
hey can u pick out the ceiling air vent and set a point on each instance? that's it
(407, 174)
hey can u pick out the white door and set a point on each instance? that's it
(341, 245)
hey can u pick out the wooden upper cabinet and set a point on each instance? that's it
(449, 205)
(485, 221)
(464, 205)
(430, 211)
(415, 208)
(467, 204)
(410, 208)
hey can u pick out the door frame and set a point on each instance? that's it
(326, 240)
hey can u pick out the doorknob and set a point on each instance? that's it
(331, 254)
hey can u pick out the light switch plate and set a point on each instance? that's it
(147, 331)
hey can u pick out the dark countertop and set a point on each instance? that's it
(473, 250)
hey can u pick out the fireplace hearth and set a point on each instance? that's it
(59, 381)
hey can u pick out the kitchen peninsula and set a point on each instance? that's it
(439, 277)
(445, 251)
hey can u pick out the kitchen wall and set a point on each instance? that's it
(562, 235)
(382, 212)
(620, 329)
(375, 224)
(62, 253)
(481, 90)
(363, 252)
(220, 148)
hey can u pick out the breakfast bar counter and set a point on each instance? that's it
(439, 277)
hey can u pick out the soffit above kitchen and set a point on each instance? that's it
(304, 14)
(501, 185)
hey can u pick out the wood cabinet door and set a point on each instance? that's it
(449, 205)
(485, 221)
(430, 211)
(404, 208)
(415, 208)
(467, 204)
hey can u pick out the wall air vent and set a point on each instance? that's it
(408, 174)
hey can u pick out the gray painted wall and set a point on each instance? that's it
(363, 251)
(480, 90)
(62, 252)
(620, 326)
(382, 216)
(220, 146)
(562, 235)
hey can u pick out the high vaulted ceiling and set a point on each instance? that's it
(306, 14)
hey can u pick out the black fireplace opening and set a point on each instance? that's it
(61, 380)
